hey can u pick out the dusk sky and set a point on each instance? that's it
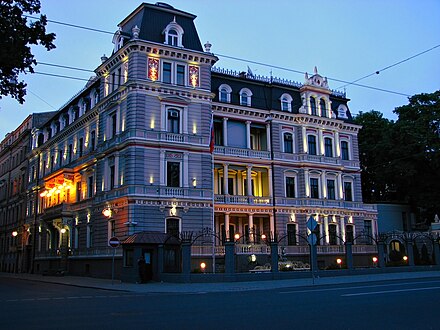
(346, 40)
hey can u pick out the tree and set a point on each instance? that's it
(16, 36)
(400, 160)
(375, 144)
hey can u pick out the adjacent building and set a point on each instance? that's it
(162, 141)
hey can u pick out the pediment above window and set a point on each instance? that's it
(173, 34)
(175, 99)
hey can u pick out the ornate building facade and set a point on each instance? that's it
(132, 153)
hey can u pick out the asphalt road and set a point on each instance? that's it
(406, 304)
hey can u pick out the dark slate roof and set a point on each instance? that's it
(152, 20)
(151, 237)
(266, 93)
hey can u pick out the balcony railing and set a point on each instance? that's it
(283, 201)
(241, 152)
(155, 191)
(248, 200)
(206, 250)
(306, 158)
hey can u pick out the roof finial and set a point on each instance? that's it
(174, 20)
(315, 70)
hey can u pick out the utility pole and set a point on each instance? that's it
(35, 231)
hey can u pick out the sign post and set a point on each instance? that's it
(311, 225)
(114, 243)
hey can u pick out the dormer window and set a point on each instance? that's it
(172, 37)
(286, 102)
(245, 97)
(224, 93)
(173, 34)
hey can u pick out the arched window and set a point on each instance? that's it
(286, 102)
(323, 108)
(245, 97)
(288, 142)
(224, 92)
(173, 34)
(313, 106)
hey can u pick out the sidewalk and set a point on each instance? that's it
(155, 287)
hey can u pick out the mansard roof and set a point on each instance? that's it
(153, 19)
(267, 91)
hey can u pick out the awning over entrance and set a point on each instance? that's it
(151, 237)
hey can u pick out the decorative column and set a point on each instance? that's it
(185, 170)
(268, 137)
(321, 143)
(307, 183)
(272, 224)
(249, 180)
(225, 132)
(227, 226)
(337, 145)
(248, 134)
(340, 192)
(327, 238)
(162, 168)
(324, 184)
(304, 138)
(225, 179)
(342, 229)
(269, 177)
(251, 227)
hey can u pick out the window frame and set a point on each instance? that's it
(286, 100)
(312, 143)
(169, 183)
(247, 93)
(345, 152)
(286, 144)
(286, 190)
(312, 191)
(225, 90)
(328, 148)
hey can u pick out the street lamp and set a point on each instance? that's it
(15, 233)
(375, 261)
(339, 262)
(203, 267)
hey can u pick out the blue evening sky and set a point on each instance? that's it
(345, 39)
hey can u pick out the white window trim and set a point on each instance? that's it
(174, 73)
(350, 154)
(293, 140)
(316, 143)
(248, 93)
(315, 175)
(183, 117)
(172, 217)
(174, 26)
(291, 174)
(228, 92)
(181, 162)
(333, 144)
(342, 111)
(349, 179)
(289, 100)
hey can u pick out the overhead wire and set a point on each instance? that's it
(256, 62)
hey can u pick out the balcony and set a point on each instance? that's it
(283, 201)
(240, 152)
(155, 191)
(318, 159)
(247, 200)
(57, 211)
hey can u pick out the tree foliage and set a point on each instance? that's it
(16, 37)
(401, 160)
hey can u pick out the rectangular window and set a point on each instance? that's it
(332, 234)
(288, 143)
(166, 73)
(81, 145)
(90, 187)
(92, 140)
(331, 189)
(218, 133)
(78, 191)
(290, 187)
(314, 188)
(60, 158)
(172, 227)
(89, 242)
(180, 76)
(111, 228)
(173, 121)
(231, 186)
(112, 177)
(312, 144)
(291, 234)
(349, 234)
(348, 191)
(113, 125)
(128, 258)
(344, 150)
(173, 174)
(368, 231)
(70, 153)
(328, 146)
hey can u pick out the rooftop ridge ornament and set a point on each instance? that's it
(135, 30)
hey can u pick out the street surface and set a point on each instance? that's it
(403, 304)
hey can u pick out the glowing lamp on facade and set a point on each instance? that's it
(15, 233)
(405, 258)
(253, 258)
(173, 211)
(194, 129)
(194, 182)
(339, 261)
(202, 266)
(237, 236)
(194, 76)
(63, 230)
(107, 212)
(153, 69)
(375, 260)
(151, 179)
(263, 236)
(152, 124)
